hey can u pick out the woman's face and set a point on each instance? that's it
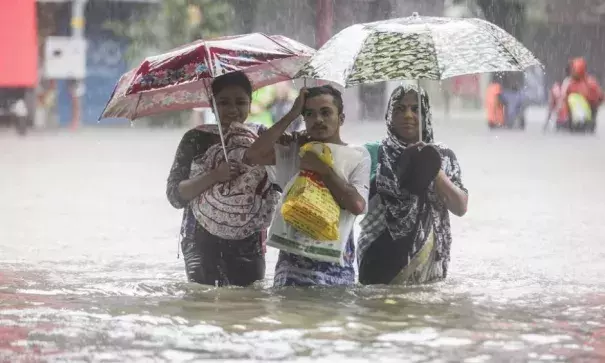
(405, 117)
(232, 105)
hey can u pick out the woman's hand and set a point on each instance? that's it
(418, 145)
(228, 171)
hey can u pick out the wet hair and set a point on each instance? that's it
(327, 90)
(238, 79)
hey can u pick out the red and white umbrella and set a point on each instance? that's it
(180, 79)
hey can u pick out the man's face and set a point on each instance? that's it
(322, 118)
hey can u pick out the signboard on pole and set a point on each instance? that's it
(65, 58)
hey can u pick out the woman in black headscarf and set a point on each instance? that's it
(406, 236)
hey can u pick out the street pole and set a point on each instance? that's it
(76, 86)
(324, 21)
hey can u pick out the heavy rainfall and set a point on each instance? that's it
(97, 266)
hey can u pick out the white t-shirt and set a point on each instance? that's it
(351, 163)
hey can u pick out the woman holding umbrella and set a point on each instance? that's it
(209, 257)
(415, 184)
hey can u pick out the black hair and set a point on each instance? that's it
(327, 90)
(232, 79)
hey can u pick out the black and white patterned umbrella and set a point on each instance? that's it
(416, 48)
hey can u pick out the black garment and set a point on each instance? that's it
(386, 257)
(211, 260)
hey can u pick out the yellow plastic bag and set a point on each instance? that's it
(309, 206)
(579, 109)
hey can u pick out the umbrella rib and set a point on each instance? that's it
(281, 46)
(503, 44)
(278, 70)
(434, 50)
(134, 114)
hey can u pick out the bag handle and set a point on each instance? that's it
(325, 155)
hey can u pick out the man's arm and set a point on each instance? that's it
(262, 151)
(345, 194)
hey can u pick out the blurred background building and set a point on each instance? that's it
(69, 60)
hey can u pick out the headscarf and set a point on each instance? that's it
(239, 208)
(578, 68)
(404, 210)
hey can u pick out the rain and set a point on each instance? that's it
(91, 114)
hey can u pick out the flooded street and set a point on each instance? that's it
(89, 268)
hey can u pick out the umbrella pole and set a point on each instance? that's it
(220, 129)
(419, 111)
(218, 118)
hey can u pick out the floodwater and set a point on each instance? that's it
(89, 268)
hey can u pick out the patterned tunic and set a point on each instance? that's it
(208, 258)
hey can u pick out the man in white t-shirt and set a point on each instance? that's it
(322, 111)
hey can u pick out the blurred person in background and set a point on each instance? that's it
(582, 86)
(505, 101)
(576, 101)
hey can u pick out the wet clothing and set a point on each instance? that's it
(236, 209)
(296, 270)
(587, 87)
(210, 259)
(405, 238)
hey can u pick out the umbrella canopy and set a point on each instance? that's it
(415, 48)
(180, 79)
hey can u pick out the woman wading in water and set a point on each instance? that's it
(227, 206)
(406, 236)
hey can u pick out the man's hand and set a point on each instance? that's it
(228, 171)
(311, 162)
(300, 137)
(299, 103)
(262, 152)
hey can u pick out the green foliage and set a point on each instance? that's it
(170, 23)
